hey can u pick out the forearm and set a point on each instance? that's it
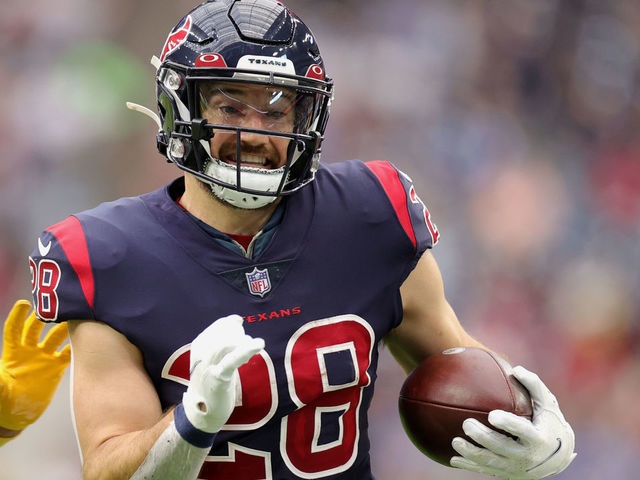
(158, 453)
(174, 446)
(119, 456)
(171, 458)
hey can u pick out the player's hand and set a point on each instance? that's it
(30, 369)
(544, 445)
(216, 355)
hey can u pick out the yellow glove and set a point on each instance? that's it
(30, 370)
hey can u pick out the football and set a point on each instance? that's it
(456, 384)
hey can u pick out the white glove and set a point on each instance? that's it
(216, 354)
(544, 445)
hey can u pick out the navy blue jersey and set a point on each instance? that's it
(322, 293)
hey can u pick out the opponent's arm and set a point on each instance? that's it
(121, 429)
(30, 369)
(429, 324)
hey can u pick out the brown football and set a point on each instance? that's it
(456, 384)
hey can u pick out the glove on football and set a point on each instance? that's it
(543, 447)
(216, 354)
(30, 369)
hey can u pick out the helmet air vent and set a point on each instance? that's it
(262, 22)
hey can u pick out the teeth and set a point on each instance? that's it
(254, 160)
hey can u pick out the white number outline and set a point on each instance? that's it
(294, 396)
(50, 289)
(231, 458)
(240, 426)
(315, 447)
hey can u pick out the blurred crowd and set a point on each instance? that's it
(517, 120)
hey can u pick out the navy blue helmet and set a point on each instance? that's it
(232, 70)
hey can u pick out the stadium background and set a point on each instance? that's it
(517, 120)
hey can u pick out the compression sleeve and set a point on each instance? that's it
(171, 458)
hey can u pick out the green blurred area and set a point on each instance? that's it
(96, 79)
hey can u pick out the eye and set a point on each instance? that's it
(276, 115)
(229, 110)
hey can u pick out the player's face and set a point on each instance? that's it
(249, 106)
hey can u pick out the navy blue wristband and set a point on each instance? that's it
(191, 434)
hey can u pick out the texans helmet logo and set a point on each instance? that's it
(176, 38)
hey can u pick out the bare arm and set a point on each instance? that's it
(543, 446)
(429, 324)
(121, 429)
(117, 411)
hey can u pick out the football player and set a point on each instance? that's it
(30, 369)
(227, 325)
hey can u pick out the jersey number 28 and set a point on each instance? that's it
(45, 278)
(306, 451)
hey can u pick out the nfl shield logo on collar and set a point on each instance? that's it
(258, 281)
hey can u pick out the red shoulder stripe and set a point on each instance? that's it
(388, 177)
(70, 236)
